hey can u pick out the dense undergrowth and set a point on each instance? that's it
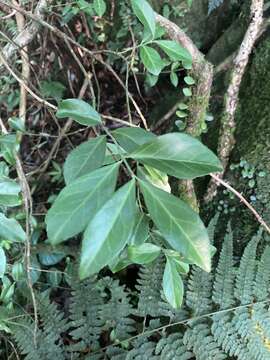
(100, 258)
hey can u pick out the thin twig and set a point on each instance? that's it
(27, 34)
(27, 200)
(22, 83)
(98, 58)
(243, 200)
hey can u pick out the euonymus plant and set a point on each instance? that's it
(117, 195)
(133, 218)
(136, 221)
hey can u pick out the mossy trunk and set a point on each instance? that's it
(252, 148)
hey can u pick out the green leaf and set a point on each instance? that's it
(140, 231)
(130, 138)
(108, 232)
(189, 80)
(78, 202)
(9, 192)
(3, 263)
(179, 224)
(17, 124)
(113, 153)
(11, 230)
(49, 258)
(85, 158)
(78, 110)
(172, 285)
(145, 14)
(181, 114)
(151, 60)
(179, 155)
(143, 254)
(187, 92)
(99, 7)
(175, 51)
(9, 147)
(151, 80)
(155, 177)
(174, 78)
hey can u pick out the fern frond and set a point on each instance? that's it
(224, 275)
(198, 295)
(86, 324)
(149, 287)
(117, 309)
(262, 281)
(172, 347)
(199, 339)
(246, 273)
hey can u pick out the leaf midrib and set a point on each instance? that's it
(174, 220)
(81, 204)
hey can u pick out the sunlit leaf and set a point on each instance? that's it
(108, 232)
(130, 138)
(151, 60)
(181, 227)
(175, 51)
(143, 254)
(9, 192)
(3, 263)
(78, 110)
(99, 7)
(179, 155)
(145, 14)
(85, 158)
(11, 230)
(173, 285)
(78, 202)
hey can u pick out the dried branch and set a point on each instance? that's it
(26, 34)
(242, 199)
(226, 138)
(27, 201)
(65, 37)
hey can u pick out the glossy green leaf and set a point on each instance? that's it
(78, 110)
(175, 51)
(179, 155)
(108, 232)
(130, 138)
(99, 7)
(143, 254)
(85, 158)
(16, 123)
(11, 230)
(145, 14)
(151, 60)
(173, 286)
(113, 153)
(187, 92)
(151, 80)
(3, 263)
(49, 258)
(155, 177)
(140, 231)
(9, 192)
(174, 79)
(181, 265)
(189, 80)
(9, 147)
(78, 202)
(179, 225)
